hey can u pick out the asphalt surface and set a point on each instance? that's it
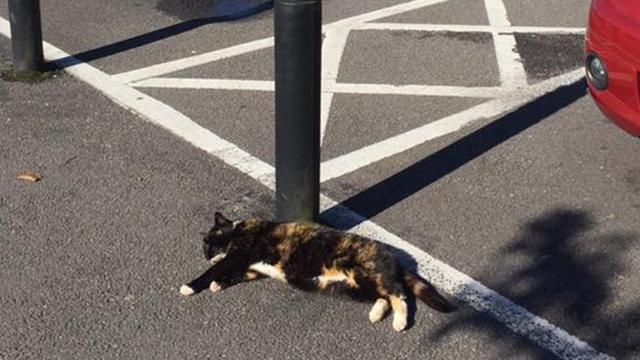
(540, 204)
(97, 250)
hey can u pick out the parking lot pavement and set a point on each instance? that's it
(96, 251)
(435, 135)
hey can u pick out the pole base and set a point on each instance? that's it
(7, 73)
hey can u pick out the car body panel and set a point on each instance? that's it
(614, 34)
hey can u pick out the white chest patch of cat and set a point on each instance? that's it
(268, 270)
(325, 280)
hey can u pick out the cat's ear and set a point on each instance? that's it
(222, 221)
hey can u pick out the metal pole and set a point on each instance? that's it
(26, 36)
(298, 42)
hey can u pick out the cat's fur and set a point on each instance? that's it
(313, 258)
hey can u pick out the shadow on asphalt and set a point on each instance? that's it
(238, 12)
(405, 183)
(570, 274)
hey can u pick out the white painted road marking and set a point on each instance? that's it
(512, 74)
(339, 88)
(370, 154)
(470, 28)
(181, 64)
(512, 78)
(188, 62)
(332, 48)
(450, 280)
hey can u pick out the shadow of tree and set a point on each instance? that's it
(568, 278)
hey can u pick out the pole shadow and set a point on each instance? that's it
(412, 179)
(396, 188)
(236, 13)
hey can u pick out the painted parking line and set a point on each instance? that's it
(357, 159)
(340, 25)
(337, 88)
(513, 79)
(185, 63)
(332, 49)
(471, 28)
(512, 74)
(452, 281)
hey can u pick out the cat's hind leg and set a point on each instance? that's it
(387, 295)
(393, 291)
(378, 310)
(400, 311)
(389, 286)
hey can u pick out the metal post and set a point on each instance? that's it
(298, 41)
(26, 36)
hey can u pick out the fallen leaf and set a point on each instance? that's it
(29, 176)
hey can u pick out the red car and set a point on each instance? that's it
(612, 59)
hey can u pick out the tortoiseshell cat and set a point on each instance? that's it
(313, 258)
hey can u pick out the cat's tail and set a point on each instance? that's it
(427, 293)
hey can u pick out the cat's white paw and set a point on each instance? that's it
(216, 259)
(400, 312)
(215, 287)
(378, 310)
(399, 322)
(186, 290)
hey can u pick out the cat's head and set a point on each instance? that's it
(216, 240)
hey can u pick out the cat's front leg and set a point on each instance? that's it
(229, 271)
(250, 275)
(200, 283)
